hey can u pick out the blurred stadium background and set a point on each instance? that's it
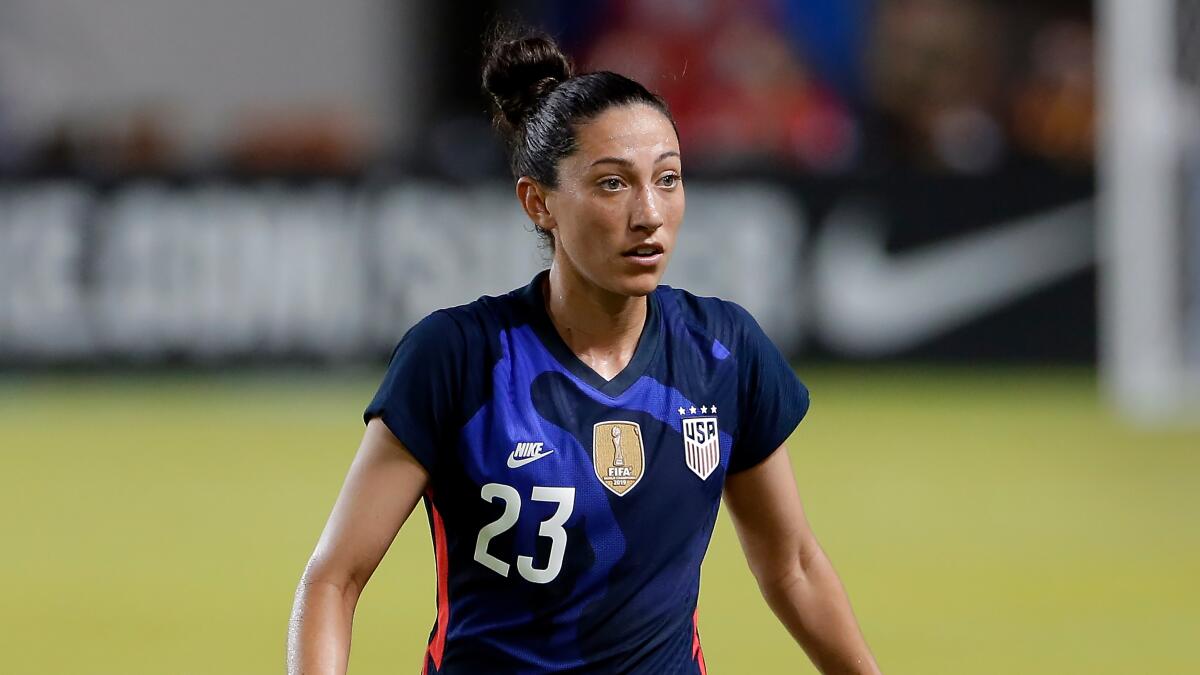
(974, 225)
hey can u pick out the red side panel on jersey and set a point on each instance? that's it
(437, 646)
(697, 652)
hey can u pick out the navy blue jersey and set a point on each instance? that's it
(569, 513)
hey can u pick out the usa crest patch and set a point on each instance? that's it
(701, 445)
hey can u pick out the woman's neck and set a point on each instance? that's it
(600, 327)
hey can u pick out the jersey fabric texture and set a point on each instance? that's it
(569, 513)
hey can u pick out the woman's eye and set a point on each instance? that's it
(611, 183)
(670, 180)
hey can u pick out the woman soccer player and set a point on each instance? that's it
(572, 439)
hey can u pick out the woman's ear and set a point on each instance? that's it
(533, 197)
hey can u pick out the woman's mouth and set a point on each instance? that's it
(645, 254)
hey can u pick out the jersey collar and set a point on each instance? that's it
(643, 355)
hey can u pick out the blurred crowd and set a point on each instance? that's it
(833, 86)
(816, 86)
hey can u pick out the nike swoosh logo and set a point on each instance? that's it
(872, 303)
(514, 463)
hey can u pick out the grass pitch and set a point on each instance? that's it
(984, 521)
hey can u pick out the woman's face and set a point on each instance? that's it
(619, 200)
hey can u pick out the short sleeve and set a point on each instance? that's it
(418, 396)
(771, 399)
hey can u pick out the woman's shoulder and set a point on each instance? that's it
(717, 316)
(471, 326)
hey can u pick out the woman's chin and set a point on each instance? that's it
(638, 285)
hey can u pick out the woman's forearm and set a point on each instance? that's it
(810, 601)
(319, 630)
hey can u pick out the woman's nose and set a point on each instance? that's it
(646, 213)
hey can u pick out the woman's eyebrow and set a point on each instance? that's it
(612, 160)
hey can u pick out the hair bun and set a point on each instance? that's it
(518, 72)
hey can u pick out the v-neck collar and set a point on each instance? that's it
(643, 354)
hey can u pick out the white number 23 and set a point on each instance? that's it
(552, 529)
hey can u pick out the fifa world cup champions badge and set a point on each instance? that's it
(618, 455)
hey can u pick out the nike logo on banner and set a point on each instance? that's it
(873, 303)
(526, 453)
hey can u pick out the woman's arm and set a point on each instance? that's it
(796, 579)
(381, 489)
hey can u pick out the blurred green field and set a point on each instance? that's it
(984, 521)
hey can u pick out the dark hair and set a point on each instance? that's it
(538, 100)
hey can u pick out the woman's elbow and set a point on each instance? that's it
(321, 574)
(785, 569)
